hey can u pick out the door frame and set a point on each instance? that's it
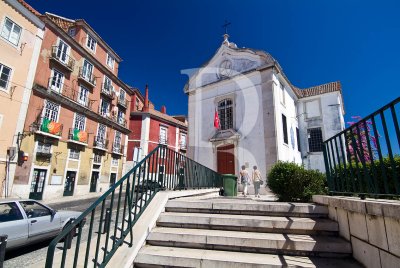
(90, 183)
(47, 168)
(75, 181)
(234, 155)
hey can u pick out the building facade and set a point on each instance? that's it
(263, 117)
(76, 129)
(21, 34)
(150, 127)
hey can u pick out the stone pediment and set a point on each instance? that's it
(227, 62)
(223, 135)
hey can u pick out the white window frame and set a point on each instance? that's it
(7, 38)
(2, 66)
(78, 122)
(85, 73)
(120, 116)
(41, 145)
(107, 84)
(104, 136)
(59, 42)
(282, 93)
(119, 136)
(74, 154)
(84, 102)
(122, 93)
(94, 158)
(51, 117)
(92, 43)
(114, 161)
(165, 141)
(102, 113)
(180, 140)
(108, 61)
(60, 83)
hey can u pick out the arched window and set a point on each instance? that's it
(225, 114)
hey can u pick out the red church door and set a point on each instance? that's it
(226, 159)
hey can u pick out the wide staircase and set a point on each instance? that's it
(242, 232)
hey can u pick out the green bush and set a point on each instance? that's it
(291, 182)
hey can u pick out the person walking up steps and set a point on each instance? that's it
(256, 176)
(244, 179)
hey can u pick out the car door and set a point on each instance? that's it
(42, 223)
(14, 224)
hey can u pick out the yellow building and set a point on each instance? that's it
(21, 34)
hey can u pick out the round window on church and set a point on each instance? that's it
(225, 68)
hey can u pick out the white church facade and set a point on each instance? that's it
(263, 117)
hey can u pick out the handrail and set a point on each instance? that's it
(161, 169)
(364, 159)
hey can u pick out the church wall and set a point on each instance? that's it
(286, 151)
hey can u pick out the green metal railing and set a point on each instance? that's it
(105, 225)
(364, 159)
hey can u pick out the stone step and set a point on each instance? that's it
(269, 224)
(288, 244)
(242, 206)
(153, 256)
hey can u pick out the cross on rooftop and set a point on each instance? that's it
(226, 26)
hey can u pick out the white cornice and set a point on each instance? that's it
(27, 13)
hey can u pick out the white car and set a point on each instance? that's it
(28, 221)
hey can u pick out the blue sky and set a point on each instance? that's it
(356, 42)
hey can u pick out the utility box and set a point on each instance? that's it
(229, 184)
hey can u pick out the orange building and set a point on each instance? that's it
(21, 34)
(77, 117)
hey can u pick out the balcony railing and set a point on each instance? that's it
(105, 113)
(107, 90)
(43, 152)
(61, 57)
(100, 143)
(364, 159)
(90, 79)
(77, 135)
(122, 102)
(69, 93)
(117, 148)
(119, 120)
(47, 126)
(182, 146)
(162, 140)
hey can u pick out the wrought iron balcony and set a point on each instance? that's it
(123, 102)
(183, 146)
(47, 127)
(105, 113)
(90, 79)
(100, 143)
(117, 148)
(162, 140)
(119, 120)
(107, 90)
(78, 136)
(62, 58)
(43, 152)
(68, 92)
(97, 159)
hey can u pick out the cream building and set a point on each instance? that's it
(21, 34)
(264, 118)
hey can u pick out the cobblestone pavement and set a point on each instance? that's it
(28, 255)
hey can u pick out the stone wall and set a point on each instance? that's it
(372, 226)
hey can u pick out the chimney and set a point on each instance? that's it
(163, 109)
(146, 99)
